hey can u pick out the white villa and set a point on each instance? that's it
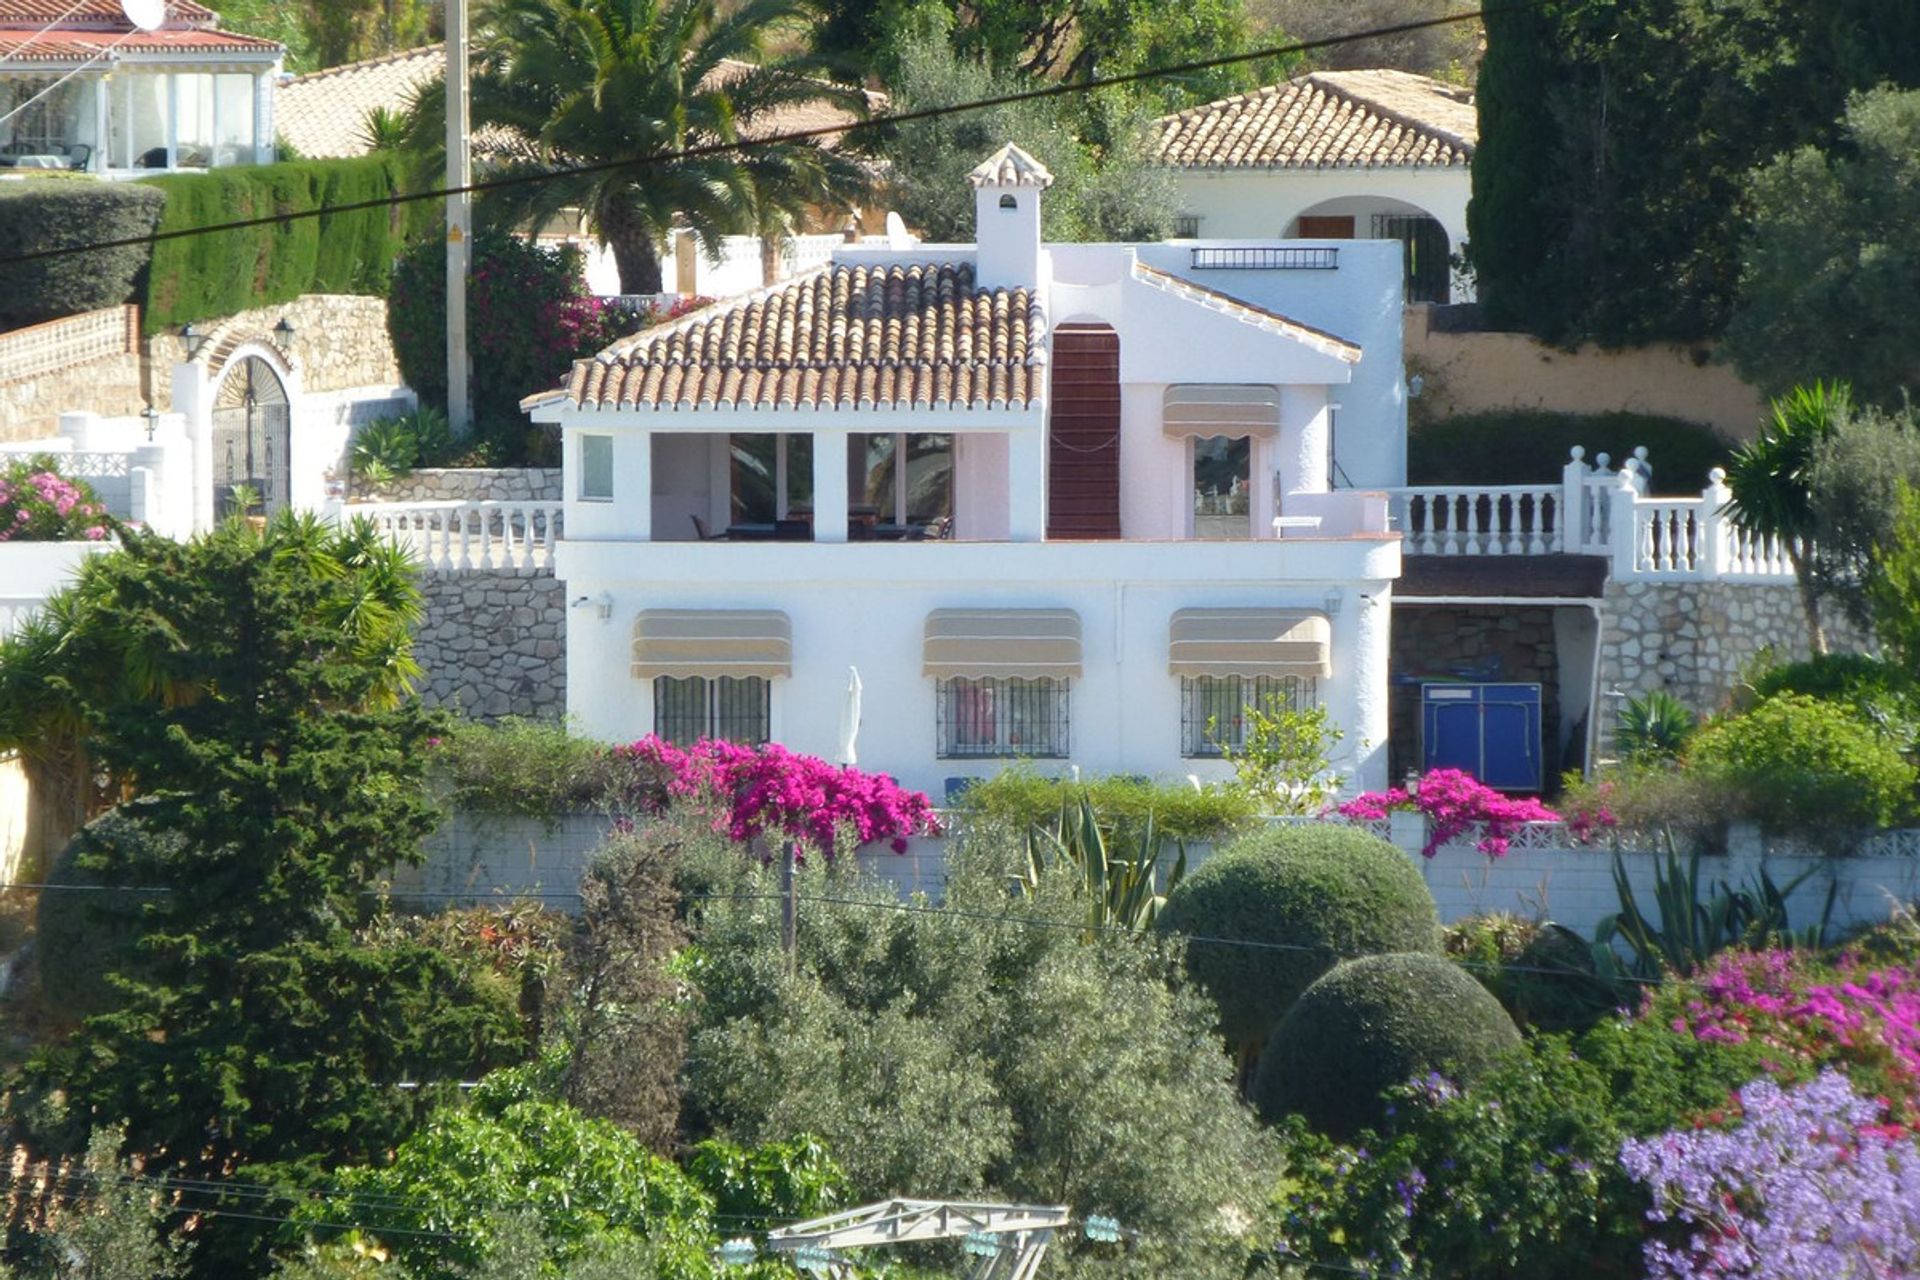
(1072, 503)
(82, 88)
(1341, 155)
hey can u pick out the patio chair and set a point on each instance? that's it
(78, 155)
(706, 534)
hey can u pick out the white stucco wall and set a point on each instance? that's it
(865, 605)
(1267, 203)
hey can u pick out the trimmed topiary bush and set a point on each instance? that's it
(1372, 1024)
(61, 212)
(1335, 891)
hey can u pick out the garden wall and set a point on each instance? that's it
(494, 644)
(89, 361)
(1479, 372)
(1541, 877)
(339, 341)
(473, 484)
(1693, 639)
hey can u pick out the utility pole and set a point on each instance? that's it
(459, 218)
(789, 908)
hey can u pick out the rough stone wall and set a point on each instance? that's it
(86, 361)
(1514, 643)
(494, 644)
(474, 484)
(339, 341)
(1693, 639)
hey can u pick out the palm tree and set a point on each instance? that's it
(588, 82)
(1772, 491)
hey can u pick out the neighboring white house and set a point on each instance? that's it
(1344, 155)
(1066, 502)
(82, 88)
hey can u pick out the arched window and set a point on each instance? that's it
(1008, 202)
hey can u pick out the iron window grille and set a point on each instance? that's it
(1186, 226)
(1427, 267)
(1213, 709)
(1266, 259)
(985, 718)
(736, 708)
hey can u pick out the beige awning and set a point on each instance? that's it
(1250, 642)
(1221, 409)
(1002, 642)
(712, 642)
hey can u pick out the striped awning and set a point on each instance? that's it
(712, 642)
(1250, 642)
(1002, 642)
(1220, 409)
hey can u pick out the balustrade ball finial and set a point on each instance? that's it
(1578, 452)
(1717, 477)
(1601, 460)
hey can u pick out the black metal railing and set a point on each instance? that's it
(1266, 258)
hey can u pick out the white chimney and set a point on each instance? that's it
(1006, 202)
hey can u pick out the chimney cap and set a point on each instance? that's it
(1010, 167)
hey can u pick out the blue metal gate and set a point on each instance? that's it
(1491, 731)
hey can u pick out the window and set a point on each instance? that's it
(1222, 488)
(1014, 716)
(1338, 227)
(737, 708)
(1186, 226)
(1426, 267)
(1213, 709)
(596, 468)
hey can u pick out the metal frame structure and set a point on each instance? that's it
(1021, 1233)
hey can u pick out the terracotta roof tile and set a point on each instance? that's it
(40, 13)
(1010, 167)
(879, 336)
(1328, 119)
(82, 46)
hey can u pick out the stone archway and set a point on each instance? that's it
(252, 436)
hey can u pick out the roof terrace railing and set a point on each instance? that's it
(1266, 258)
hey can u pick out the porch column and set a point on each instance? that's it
(1027, 484)
(830, 486)
(633, 485)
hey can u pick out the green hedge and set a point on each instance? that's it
(1023, 797)
(206, 276)
(58, 212)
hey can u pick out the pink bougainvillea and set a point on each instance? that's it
(1454, 803)
(38, 504)
(769, 790)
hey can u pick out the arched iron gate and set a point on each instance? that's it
(252, 437)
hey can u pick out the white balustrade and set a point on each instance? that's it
(1670, 538)
(467, 537)
(1483, 520)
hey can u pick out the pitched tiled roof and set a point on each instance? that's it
(843, 337)
(1319, 339)
(1328, 119)
(81, 46)
(1010, 167)
(324, 113)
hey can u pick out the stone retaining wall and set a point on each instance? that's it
(339, 341)
(1693, 639)
(473, 484)
(494, 644)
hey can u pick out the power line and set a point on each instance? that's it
(816, 133)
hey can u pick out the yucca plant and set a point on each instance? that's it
(1118, 891)
(1655, 727)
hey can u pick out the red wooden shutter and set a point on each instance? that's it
(1083, 463)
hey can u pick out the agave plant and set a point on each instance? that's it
(1692, 929)
(1120, 888)
(1655, 727)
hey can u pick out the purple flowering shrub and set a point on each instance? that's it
(773, 792)
(1807, 1184)
(38, 504)
(1454, 803)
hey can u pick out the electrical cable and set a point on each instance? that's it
(795, 135)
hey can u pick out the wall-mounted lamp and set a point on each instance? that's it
(283, 332)
(152, 415)
(602, 604)
(190, 334)
(1333, 602)
(1415, 385)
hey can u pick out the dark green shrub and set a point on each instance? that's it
(1320, 893)
(1882, 691)
(218, 274)
(87, 931)
(1553, 984)
(1025, 798)
(1530, 446)
(529, 317)
(1801, 766)
(1373, 1024)
(56, 214)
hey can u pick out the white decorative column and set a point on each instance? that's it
(830, 486)
(633, 485)
(1027, 484)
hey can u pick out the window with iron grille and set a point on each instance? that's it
(688, 708)
(1186, 226)
(1006, 717)
(1213, 709)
